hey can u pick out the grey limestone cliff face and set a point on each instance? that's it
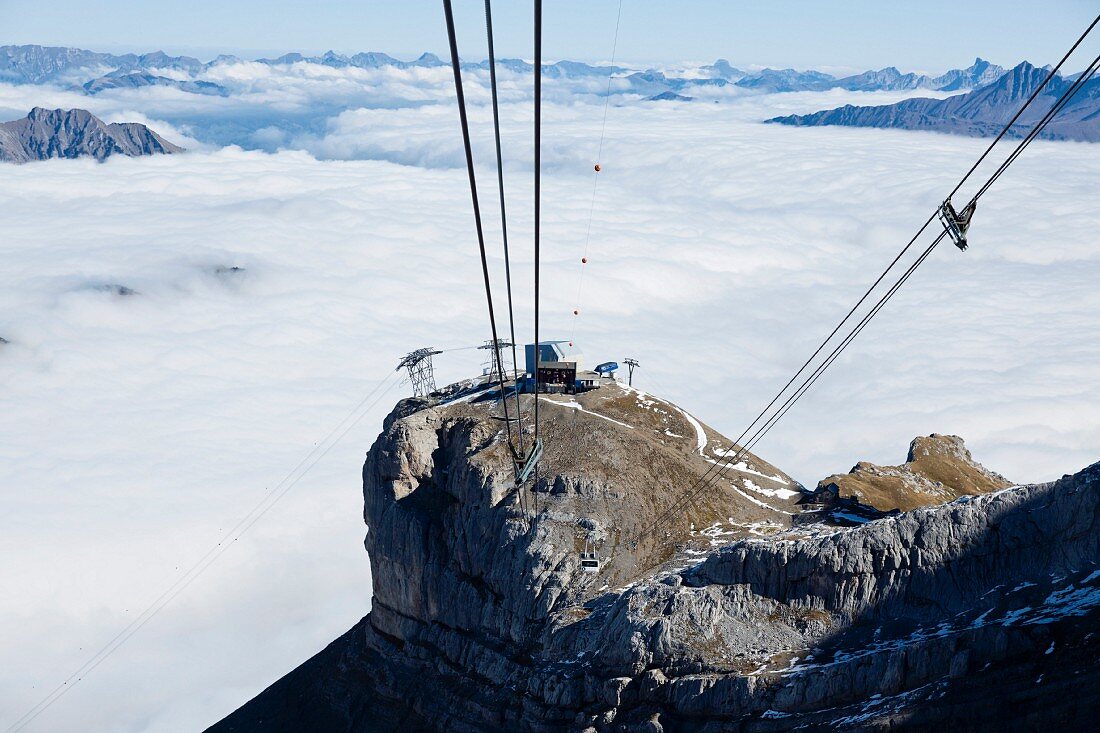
(972, 615)
(57, 133)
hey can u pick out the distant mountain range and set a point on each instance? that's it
(76, 133)
(134, 79)
(97, 72)
(981, 112)
(981, 72)
(986, 93)
(39, 64)
(668, 97)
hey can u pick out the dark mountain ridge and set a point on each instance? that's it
(981, 112)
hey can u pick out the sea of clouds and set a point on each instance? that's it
(137, 428)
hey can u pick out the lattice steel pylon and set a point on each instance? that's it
(421, 372)
(495, 361)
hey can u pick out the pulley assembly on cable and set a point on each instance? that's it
(956, 223)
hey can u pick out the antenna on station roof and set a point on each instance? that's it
(630, 364)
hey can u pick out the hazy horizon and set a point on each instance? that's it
(795, 33)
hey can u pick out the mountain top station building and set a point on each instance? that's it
(560, 368)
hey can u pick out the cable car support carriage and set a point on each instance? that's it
(524, 468)
(956, 223)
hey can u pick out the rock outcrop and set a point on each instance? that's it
(969, 616)
(76, 133)
(938, 468)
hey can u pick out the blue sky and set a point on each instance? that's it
(856, 34)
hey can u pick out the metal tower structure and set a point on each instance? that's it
(421, 372)
(630, 364)
(495, 361)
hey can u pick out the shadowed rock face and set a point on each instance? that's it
(483, 621)
(58, 133)
(939, 468)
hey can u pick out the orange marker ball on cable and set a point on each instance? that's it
(576, 313)
(597, 167)
(584, 260)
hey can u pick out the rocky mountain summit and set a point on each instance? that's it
(938, 468)
(978, 74)
(973, 615)
(76, 133)
(981, 112)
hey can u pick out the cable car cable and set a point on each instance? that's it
(1026, 104)
(517, 450)
(686, 499)
(716, 469)
(722, 465)
(929, 221)
(1078, 83)
(538, 202)
(503, 215)
(456, 67)
(269, 500)
(763, 430)
(1032, 135)
(708, 477)
(596, 172)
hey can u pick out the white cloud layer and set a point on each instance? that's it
(310, 106)
(136, 428)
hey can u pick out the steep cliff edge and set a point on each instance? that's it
(938, 468)
(727, 618)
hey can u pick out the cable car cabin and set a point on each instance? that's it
(590, 559)
(956, 223)
(590, 562)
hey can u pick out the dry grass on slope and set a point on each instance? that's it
(938, 469)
